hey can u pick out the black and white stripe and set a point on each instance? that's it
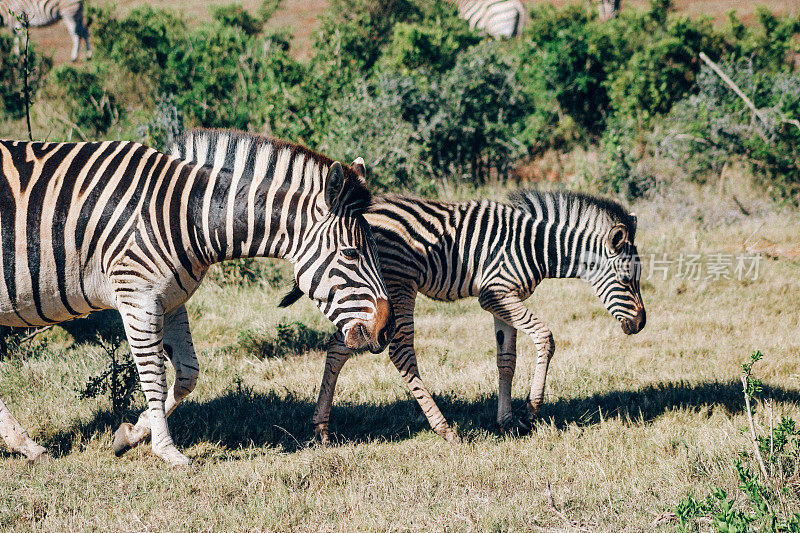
(45, 13)
(498, 253)
(118, 225)
(498, 18)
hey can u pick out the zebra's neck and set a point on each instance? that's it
(561, 249)
(263, 207)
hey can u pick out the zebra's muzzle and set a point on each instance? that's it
(634, 325)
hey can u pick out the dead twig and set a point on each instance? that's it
(748, 102)
(567, 522)
(34, 333)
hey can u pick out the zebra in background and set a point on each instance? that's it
(607, 9)
(118, 225)
(45, 13)
(499, 253)
(498, 18)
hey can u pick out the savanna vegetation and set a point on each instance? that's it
(641, 432)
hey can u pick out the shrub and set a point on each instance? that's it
(371, 123)
(234, 15)
(12, 92)
(120, 379)
(769, 506)
(250, 271)
(716, 126)
(290, 338)
(84, 98)
(473, 124)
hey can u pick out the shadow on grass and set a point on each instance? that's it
(242, 418)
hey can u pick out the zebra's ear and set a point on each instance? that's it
(334, 185)
(617, 237)
(360, 168)
(635, 223)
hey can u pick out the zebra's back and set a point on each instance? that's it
(39, 12)
(443, 248)
(65, 209)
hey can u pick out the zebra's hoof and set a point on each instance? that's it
(450, 436)
(36, 453)
(122, 441)
(321, 434)
(173, 457)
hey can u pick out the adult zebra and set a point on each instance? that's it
(88, 226)
(499, 253)
(45, 13)
(498, 18)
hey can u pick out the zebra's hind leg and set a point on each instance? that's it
(510, 309)
(180, 351)
(338, 354)
(17, 438)
(506, 337)
(401, 352)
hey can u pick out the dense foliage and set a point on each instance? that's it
(409, 87)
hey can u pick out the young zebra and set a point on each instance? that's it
(45, 13)
(118, 225)
(498, 18)
(498, 253)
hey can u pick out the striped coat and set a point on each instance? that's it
(498, 18)
(118, 225)
(45, 13)
(498, 253)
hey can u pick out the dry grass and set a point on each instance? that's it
(631, 424)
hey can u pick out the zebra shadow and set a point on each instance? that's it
(242, 418)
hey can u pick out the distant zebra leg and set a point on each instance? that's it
(72, 23)
(338, 354)
(144, 323)
(511, 310)
(16, 437)
(180, 351)
(401, 352)
(506, 337)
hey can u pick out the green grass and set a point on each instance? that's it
(630, 427)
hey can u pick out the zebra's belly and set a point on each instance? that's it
(27, 300)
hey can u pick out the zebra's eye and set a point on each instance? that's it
(350, 253)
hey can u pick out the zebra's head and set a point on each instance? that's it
(338, 268)
(613, 268)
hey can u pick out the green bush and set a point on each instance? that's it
(12, 91)
(290, 338)
(716, 126)
(84, 98)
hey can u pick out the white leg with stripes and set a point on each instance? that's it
(509, 308)
(506, 337)
(338, 354)
(179, 349)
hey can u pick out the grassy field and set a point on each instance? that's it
(631, 424)
(301, 15)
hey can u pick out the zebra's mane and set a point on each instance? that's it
(356, 196)
(557, 205)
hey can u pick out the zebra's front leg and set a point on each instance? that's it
(401, 352)
(144, 326)
(180, 351)
(510, 309)
(338, 354)
(506, 337)
(16, 437)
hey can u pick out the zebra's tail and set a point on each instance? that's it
(291, 297)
